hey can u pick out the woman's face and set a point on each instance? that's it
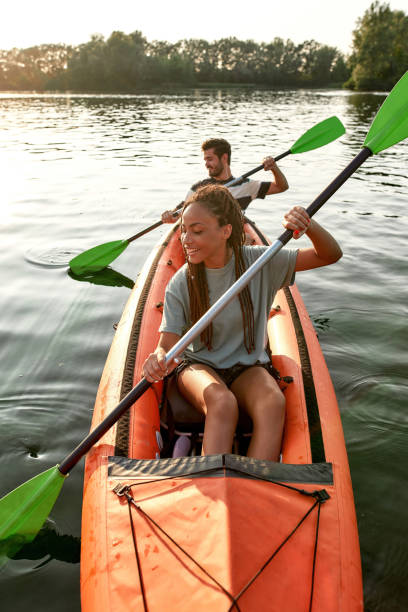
(203, 239)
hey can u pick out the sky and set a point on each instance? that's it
(32, 22)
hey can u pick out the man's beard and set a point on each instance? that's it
(216, 171)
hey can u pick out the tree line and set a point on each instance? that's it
(127, 63)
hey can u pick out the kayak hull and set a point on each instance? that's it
(220, 532)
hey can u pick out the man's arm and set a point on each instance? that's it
(280, 183)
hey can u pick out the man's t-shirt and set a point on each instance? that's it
(244, 192)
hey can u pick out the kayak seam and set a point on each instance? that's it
(312, 406)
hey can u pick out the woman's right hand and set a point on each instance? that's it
(154, 368)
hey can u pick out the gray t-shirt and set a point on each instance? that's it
(228, 337)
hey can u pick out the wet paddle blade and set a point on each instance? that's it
(319, 135)
(98, 257)
(24, 510)
(391, 123)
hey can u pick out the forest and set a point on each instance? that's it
(128, 63)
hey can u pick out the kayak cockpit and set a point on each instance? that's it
(182, 426)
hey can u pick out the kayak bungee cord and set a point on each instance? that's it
(320, 496)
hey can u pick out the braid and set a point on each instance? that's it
(219, 201)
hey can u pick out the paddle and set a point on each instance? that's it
(99, 257)
(321, 134)
(24, 510)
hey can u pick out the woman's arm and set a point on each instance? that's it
(325, 250)
(154, 368)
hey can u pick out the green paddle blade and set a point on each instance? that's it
(98, 257)
(24, 510)
(391, 123)
(319, 135)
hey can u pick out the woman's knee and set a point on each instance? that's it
(221, 404)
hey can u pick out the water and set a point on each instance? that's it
(77, 171)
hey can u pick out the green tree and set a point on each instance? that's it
(380, 48)
(320, 63)
(168, 64)
(127, 63)
(200, 54)
(35, 68)
(124, 57)
(116, 64)
(87, 68)
(282, 63)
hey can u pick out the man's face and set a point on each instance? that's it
(213, 163)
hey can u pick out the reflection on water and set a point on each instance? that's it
(49, 545)
(365, 105)
(81, 170)
(107, 277)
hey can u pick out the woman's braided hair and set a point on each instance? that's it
(219, 202)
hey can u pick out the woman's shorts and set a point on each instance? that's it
(228, 375)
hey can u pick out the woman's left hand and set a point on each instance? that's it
(297, 220)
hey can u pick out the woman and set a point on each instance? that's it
(228, 366)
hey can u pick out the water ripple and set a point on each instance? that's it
(50, 256)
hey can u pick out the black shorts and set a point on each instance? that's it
(228, 375)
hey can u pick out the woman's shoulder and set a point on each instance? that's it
(251, 253)
(179, 280)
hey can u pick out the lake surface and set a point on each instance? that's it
(77, 171)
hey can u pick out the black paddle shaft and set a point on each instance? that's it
(331, 189)
(100, 430)
(152, 227)
(257, 169)
(145, 231)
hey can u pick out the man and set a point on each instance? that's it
(217, 158)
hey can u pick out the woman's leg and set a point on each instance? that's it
(205, 390)
(259, 395)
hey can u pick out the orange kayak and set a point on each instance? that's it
(164, 528)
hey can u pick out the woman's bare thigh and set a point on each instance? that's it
(253, 387)
(199, 383)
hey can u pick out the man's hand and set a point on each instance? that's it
(269, 164)
(170, 216)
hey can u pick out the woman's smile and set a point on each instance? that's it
(203, 239)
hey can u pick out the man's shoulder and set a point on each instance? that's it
(203, 183)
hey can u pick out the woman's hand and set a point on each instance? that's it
(297, 220)
(154, 368)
